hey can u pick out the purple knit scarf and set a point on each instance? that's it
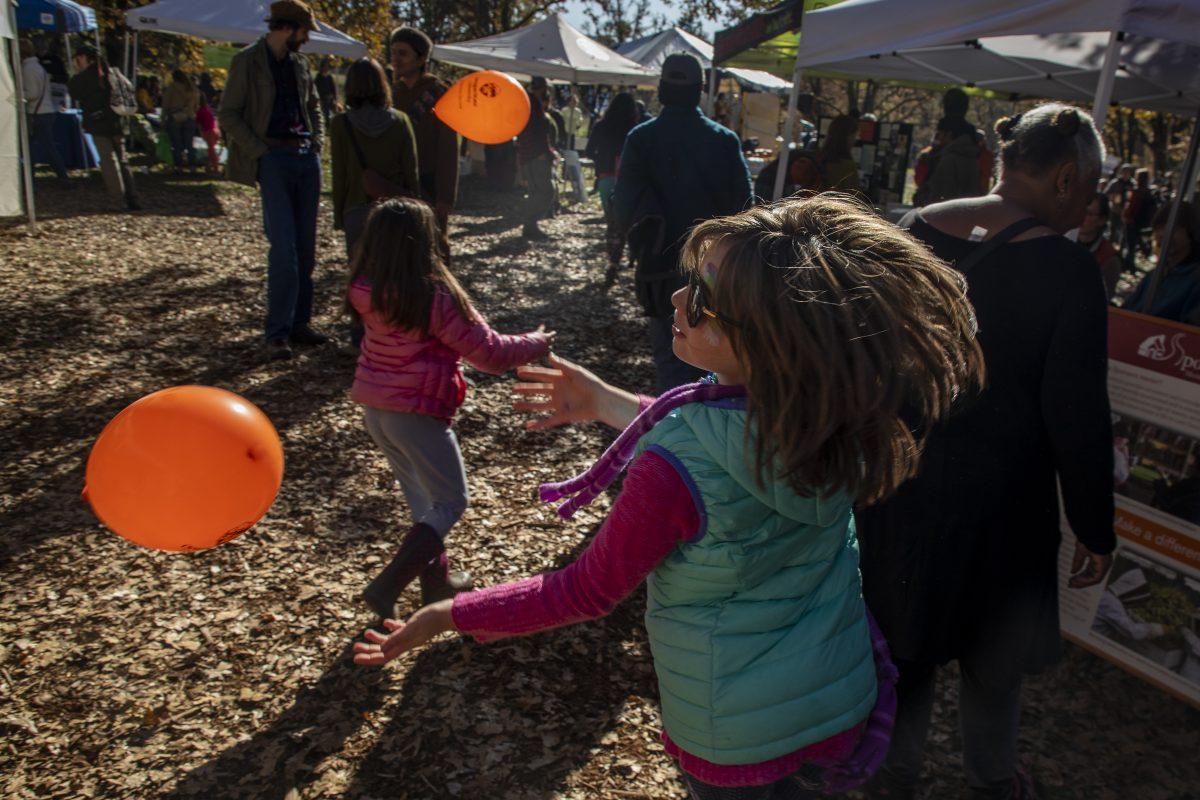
(583, 489)
(868, 755)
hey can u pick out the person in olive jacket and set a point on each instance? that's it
(415, 92)
(90, 88)
(383, 136)
(271, 116)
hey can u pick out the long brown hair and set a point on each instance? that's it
(852, 332)
(397, 255)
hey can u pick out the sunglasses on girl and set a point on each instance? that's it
(699, 306)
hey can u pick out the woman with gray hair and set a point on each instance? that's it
(961, 563)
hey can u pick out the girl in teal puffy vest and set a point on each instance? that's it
(820, 324)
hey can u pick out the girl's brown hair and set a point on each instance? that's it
(836, 145)
(397, 255)
(855, 336)
(367, 84)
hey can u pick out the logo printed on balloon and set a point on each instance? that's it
(488, 107)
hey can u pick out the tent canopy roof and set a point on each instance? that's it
(232, 21)
(1031, 51)
(650, 51)
(63, 16)
(550, 48)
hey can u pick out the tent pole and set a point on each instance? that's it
(133, 68)
(22, 123)
(712, 90)
(67, 42)
(125, 57)
(1108, 74)
(1160, 268)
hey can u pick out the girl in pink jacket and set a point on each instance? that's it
(418, 323)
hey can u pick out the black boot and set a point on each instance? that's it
(420, 546)
(439, 583)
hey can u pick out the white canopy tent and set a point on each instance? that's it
(650, 51)
(16, 172)
(1159, 47)
(240, 21)
(1058, 49)
(550, 48)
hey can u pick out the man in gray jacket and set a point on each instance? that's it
(270, 112)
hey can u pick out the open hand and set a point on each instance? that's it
(427, 623)
(565, 391)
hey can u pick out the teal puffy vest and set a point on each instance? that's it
(757, 626)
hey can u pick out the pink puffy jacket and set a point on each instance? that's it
(402, 370)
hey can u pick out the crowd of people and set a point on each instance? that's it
(851, 473)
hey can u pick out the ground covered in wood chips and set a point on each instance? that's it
(131, 673)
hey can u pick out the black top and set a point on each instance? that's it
(965, 555)
(287, 118)
(605, 144)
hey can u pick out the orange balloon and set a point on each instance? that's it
(186, 468)
(488, 107)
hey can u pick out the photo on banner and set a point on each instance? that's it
(1145, 616)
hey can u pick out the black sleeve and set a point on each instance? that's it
(1075, 405)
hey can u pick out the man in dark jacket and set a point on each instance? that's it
(271, 116)
(90, 87)
(415, 92)
(676, 170)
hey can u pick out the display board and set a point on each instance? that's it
(882, 152)
(1145, 616)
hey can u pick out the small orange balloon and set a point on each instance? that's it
(488, 107)
(186, 468)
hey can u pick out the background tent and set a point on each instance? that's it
(14, 140)
(240, 21)
(550, 48)
(650, 51)
(61, 16)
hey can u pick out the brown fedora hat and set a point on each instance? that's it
(294, 11)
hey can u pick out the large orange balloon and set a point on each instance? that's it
(488, 107)
(185, 469)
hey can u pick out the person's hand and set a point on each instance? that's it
(543, 335)
(566, 391)
(1087, 568)
(427, 623)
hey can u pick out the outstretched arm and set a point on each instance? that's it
(569, 393)
(651, 516)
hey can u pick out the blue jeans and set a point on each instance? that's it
(183, 142)
(290, 183)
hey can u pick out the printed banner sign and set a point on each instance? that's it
(1145, 616)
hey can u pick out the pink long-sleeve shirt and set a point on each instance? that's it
(401, 369)
(654, 513)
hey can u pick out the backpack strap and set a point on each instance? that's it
(362, 159)
(984, 250)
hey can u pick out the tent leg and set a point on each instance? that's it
(1108, 74)
(22, 125)
(125, 57)
(1173, 218)
(133, 67)
(712, 90)
(788, 125)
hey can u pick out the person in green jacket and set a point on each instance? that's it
(379, 135)
(830, 336)
(90, 88)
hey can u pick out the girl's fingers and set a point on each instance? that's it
(363, 647)
(535, 406)
(392, 624)
(375, 637)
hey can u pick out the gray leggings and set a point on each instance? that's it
(424, 454)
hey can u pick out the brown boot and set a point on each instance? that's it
(439, 583)
(420, 546)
